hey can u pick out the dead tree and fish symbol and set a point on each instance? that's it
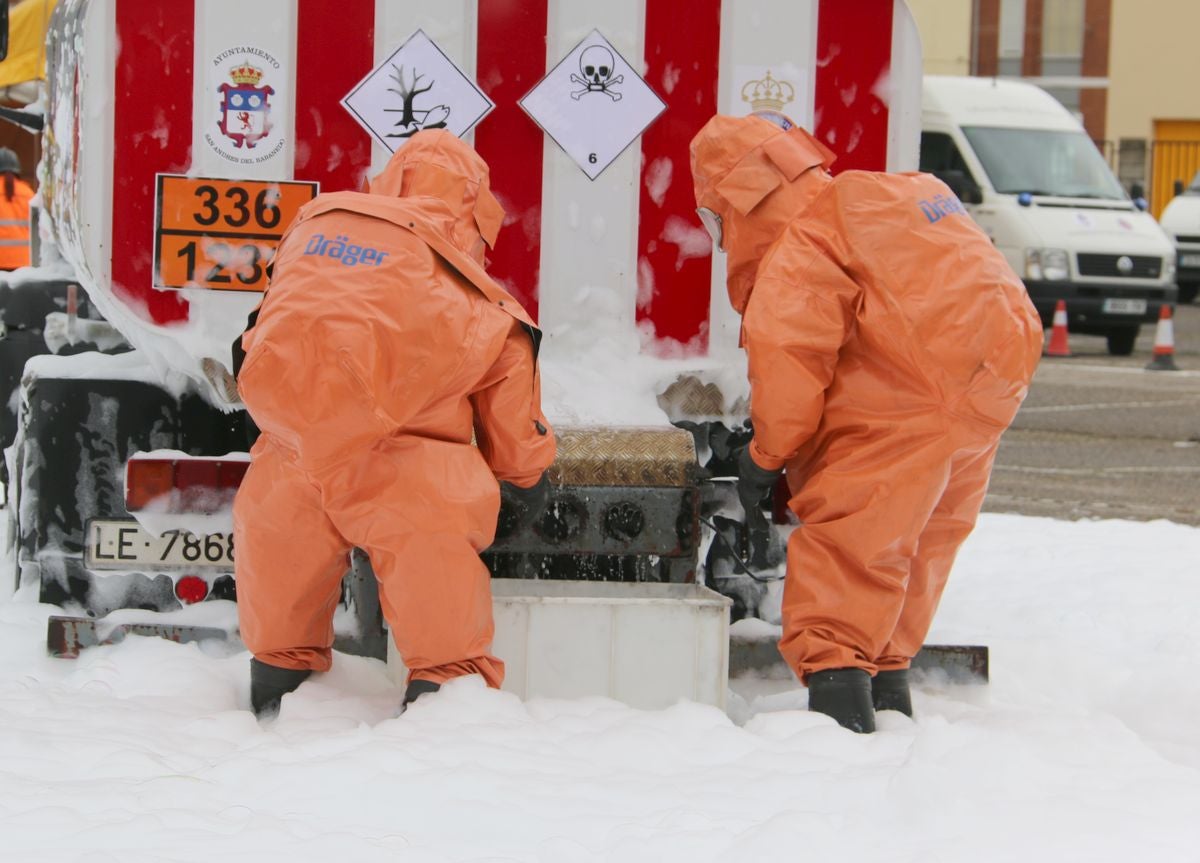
(413, 119)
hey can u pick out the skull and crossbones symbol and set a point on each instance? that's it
(596, 64)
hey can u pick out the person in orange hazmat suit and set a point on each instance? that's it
(380, 348)
(889, 346)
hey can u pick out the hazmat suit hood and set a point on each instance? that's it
(437, 164)
(757, 177)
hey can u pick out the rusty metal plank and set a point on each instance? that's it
(961, 664)
(67, 636)
(624, 457)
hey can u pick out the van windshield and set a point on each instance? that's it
(1043, 162)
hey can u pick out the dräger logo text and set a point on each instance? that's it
(940, 207)
(341, 249)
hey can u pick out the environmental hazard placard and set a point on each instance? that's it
(417, 87)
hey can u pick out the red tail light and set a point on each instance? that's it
(196, 472)
(182, 485)
(146, 481)
(191, 589)
(197, 487)
(230, 473)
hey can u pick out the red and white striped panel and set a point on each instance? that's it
(625, 249)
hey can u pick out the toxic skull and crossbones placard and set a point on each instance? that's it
(596, 64)
(593, 104)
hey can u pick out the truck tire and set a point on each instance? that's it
(1187, 293)
(1122, 340)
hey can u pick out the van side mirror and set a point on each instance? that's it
(962, 185)
(1137, 190)
(3, 31)
(1177, 189)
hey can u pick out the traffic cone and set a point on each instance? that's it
(1058, 346)
(1163, 359)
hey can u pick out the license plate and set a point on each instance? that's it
(123, 545)
(1189, 260)
(1125, 307)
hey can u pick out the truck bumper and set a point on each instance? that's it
(1086, 303)
(1187, 271)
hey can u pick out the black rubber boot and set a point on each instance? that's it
(269, 683)
(416, 689)
(844, 694)
(889, 691)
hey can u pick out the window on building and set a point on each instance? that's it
(1012, 36)
(1062, 46)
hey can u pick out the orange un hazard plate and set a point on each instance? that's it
(221, 234)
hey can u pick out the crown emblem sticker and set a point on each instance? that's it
(244, 133)
(767, 94)
(781, 90)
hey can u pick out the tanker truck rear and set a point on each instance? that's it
(180, 139)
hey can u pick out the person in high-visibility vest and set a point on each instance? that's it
(15, 195)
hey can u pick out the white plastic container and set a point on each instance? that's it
(647, 645)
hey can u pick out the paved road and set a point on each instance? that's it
(1101, 437)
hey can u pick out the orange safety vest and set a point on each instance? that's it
(14, 226)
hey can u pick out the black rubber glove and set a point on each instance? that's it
(524, 506)
(755, 485)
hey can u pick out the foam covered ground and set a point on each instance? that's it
(1083, 747)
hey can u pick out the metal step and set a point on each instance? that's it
(961, 664)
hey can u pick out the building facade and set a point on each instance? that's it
(1129, 69)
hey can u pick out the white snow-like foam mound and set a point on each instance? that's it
(1081, 748)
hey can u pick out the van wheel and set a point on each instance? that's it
(1187, 293)
(1121, 342)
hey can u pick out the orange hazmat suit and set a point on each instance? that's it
(889, 346)
(380, 348)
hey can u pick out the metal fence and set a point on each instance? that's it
(1157, 166)
(1173, 165)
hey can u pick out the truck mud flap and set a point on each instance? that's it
(67, 636)
(960, 664)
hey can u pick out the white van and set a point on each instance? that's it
(1181, 219)
(1034, 181)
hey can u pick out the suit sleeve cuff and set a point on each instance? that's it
(764, 461)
